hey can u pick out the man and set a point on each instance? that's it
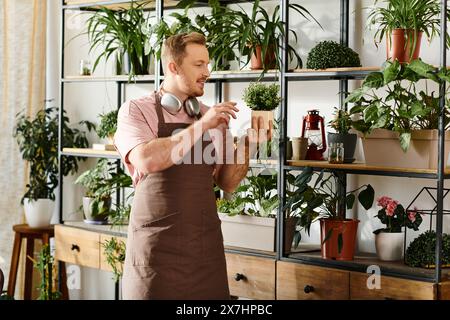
(175, 245)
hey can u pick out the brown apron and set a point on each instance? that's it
(175, 245)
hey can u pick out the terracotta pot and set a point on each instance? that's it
(256, 59)
(382, 148)
(333, 228)
(399, 43)
(389, 245)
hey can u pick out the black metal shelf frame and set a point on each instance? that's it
(343, 88)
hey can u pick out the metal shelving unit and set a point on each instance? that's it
(284, 77)
(359, 264)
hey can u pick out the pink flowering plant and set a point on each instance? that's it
(394, 216)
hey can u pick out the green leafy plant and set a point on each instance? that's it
(330, 54)
(100, 182)
(231, 207)
(235, 29)
(420, 15)
(259, 96)
(342, 121)
(120, 215)
(208, 25)
(46, 267)
(422, 250)
(405, 107)
(38, 143)
(108, 124)
(119, 32)
(115, 256)
(323, 199)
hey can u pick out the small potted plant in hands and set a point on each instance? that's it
(342, 123)
(263, 100)
(389, 240)
(106, 129)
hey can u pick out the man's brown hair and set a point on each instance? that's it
(174, 47)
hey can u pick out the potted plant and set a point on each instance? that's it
(326, 202)
(422, 251)
(248, 218)
(389, 240)
(342, 123)
(209, 25)
(106, 129)
(258, 35)
(123, 33)
(403, 22)
(100, 182)
(406, 113)
(330, 54)
(38, 142)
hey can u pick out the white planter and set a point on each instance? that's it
(99, 219)
(248, 232)
(39, 213)
(389, 246)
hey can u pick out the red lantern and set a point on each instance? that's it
(315, 134)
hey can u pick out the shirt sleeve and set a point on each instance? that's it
(132, 130)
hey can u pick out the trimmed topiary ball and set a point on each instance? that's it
(422, 250)
(330, 54)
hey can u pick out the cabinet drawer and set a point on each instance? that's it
(258, 280)
(391, 288)
(104, 265)
(303, 282)
(77, 246)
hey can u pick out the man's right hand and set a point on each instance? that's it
(219, 114)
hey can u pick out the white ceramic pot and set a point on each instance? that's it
(39, 213)
(389, 246)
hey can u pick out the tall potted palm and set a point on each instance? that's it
(38, 142)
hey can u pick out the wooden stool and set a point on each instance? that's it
(23, 231)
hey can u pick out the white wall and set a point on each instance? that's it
(86, 101)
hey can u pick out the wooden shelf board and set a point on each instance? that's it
(91, 152)
(123, 78)
(120, 230)
(359, 166)
(337, 69)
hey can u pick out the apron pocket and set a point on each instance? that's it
(156, 241)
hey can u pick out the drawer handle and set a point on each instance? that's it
(239, 277)
(75, 248)
(308, 289)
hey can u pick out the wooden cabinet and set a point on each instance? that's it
(77, 246)
(304, 282)
(251, 277)
(391, 288)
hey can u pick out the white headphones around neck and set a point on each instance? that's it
(173, 105)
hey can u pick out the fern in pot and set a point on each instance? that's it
(37, 138)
